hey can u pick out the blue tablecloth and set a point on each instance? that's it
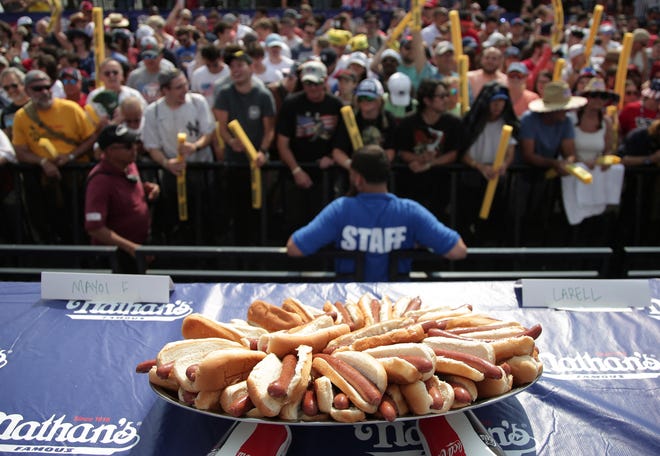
(69, 385)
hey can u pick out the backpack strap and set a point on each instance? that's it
(31, 111)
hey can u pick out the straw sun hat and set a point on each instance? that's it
(557, 97)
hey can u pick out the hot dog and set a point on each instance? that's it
(405, 363)
(524, 369)
(315, 334)
(348, 339)
(262, 375)
(325, 394)
(222, 368)
(236, 401)
(491, 387)
(431, 396)
(356, 374)
(197, 326)
(297, 386)
(271, 317)
(465, 390)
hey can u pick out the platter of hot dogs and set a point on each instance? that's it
(365, 361)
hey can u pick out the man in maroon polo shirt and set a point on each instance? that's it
(116, 211)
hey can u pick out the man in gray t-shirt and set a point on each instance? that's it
(254, 108)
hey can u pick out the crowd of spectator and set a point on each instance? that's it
(285, 78)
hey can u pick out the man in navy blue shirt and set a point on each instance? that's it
(374, 221)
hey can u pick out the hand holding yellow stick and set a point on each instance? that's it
(352, 128)
(255, 172)
(48, 146)
(559, 67)
(505, 136)
(181, 189)
(398, 30)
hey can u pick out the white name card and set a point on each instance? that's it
(585, 294)
(115, 287)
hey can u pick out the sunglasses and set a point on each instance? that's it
(69, 81)
(311, 84)
(110, 73)
(517, 76)
(363, 98)
(441, 95)
(601, 95)
(10, 86)
(39, 88)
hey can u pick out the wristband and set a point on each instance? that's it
(647, 161)
(427, 166)
(72, 157)
(296, 170)
(43, 161)
(348, 162)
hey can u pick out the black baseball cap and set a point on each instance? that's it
(116, 134)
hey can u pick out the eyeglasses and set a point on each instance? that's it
(517, 76)
(10, 86)
(149, 56)
(441, 95)
(111, 72)
(364, 98)
(69, 81)
(39, 88)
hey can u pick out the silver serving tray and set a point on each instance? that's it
(173, 399)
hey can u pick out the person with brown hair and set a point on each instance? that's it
(374, 221)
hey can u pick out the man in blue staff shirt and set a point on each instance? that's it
(374, 221)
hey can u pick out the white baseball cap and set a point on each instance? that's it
(399, 88)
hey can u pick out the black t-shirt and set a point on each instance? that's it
(310, 127)
(378, 131)
(414, 135)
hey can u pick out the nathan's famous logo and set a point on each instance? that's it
(600, 366)
(514, 438)
(57, 435)
(100, 310)
(3, 357)
(400, 438)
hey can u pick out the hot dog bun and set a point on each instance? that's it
(315, 334)
(325, 396)
(524, 369)
(471, 347)
(292, 410)
(263, 374)
(422, 402)
(356, 374)
(271, 317)
(197, 326)
(399, 361)
(222, 368)
(491, 387)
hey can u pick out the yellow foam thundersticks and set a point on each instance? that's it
(181, 190)
(255, 172)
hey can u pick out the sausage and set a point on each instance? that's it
(240, 406)
(461, 395)
(489, 369)
(191, 372)
(310, 405)
(534, 332)
(433, 324)
(374, 306)
(165, 370)
(362, 384)
(145, 366)
(387, 408)
(436, 397)
(341, 401)
(472, 329)
(414, 304)
(423, 365)
(279, 387)
(345, 315)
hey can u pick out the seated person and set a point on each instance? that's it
(374, 221)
